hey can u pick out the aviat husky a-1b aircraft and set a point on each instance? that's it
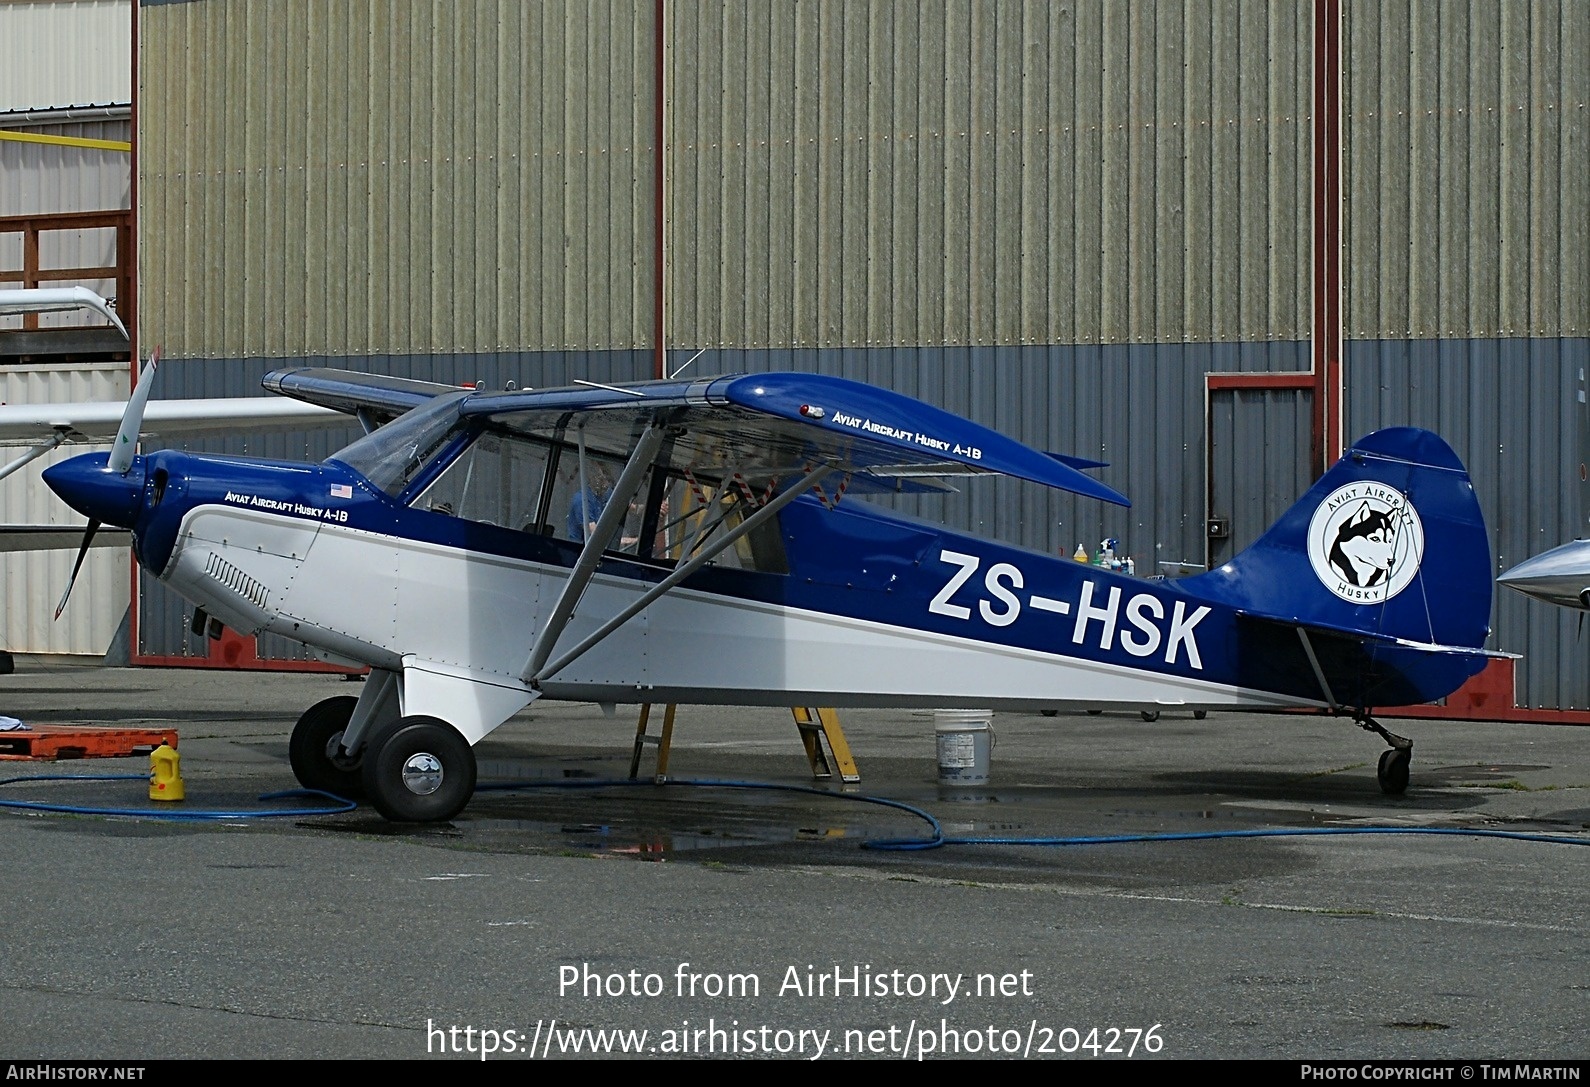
(692, 541)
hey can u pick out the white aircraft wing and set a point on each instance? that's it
(163, 418)
(50, 299)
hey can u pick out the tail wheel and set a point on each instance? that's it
(315, 749)
(419, 770)
(1393, 771)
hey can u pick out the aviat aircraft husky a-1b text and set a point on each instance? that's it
(686, 541)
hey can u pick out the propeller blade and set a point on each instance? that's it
(88, 538)
(121, 454)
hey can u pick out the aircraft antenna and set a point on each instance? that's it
(609, 388)
(687, 362)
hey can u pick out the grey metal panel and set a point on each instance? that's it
(411, 177)
(1507, 407)
(1572, 275)
(1259, 461)
(65, 53)
(39, 178)
(32, 581)
(1468, 169)
(1021, 173)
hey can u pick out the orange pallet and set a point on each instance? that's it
(52, 743)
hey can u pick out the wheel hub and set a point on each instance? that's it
(422, 773)
(337, 756)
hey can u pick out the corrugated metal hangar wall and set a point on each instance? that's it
(1056, 219)
(65, 92)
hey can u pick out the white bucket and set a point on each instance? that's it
(963, 741)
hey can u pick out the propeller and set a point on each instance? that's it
(88, 539)
(121, 454)
(119, 462)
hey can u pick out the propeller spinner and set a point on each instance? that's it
(105, 487)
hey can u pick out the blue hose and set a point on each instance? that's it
(935, 841)
(185, 815)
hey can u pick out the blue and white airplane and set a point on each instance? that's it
(687, 541)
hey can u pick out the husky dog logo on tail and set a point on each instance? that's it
(1364, 548)
(1365, 542)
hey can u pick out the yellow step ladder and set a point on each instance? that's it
(661, 743)
(815, 725)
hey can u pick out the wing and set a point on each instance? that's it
(162, 418)
(353, 393)
(770, 428)
(762, 428)
(47, 299)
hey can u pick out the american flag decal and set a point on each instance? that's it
(341, 490)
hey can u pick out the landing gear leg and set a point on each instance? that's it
(1393, 770)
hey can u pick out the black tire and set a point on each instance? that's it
(419, 770)
(1150, 715)
(1050, 713)
(1199, 715)
(1094, 713)
(315, 749)
(1393, 772)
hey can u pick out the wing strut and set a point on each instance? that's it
(534, 675)
(35, 453)
(608, 526)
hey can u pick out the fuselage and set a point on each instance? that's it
(875, 609)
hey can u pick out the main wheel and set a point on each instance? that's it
(1150, 715)
(1199, 715)
(315, 749)
(419, 770)
(1393, 772)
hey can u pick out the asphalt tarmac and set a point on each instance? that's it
(1312, 917)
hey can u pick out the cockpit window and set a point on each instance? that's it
(706, 512)
(391, 456)
(434, 460)
(496, 481)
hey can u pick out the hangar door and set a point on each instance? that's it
(1259, 463)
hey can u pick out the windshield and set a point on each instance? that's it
(394, 454)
